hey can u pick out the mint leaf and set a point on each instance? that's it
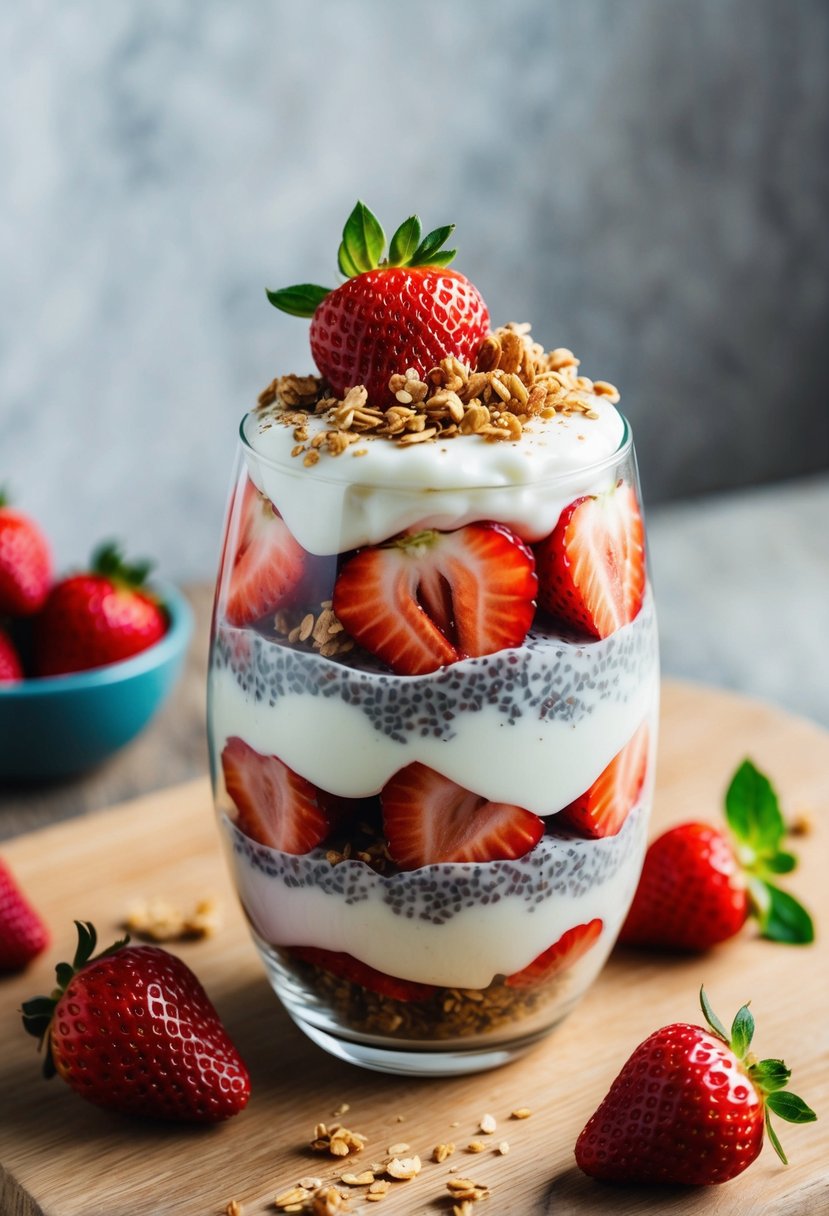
(711, 1017)
(405, 241)
(780, 863)
(753, 812)
(785, 919)
(363, 239)
(742, 1031)
(427, 249)
(790, 1107)
(300, 301)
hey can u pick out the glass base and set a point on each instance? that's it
(397, 1056)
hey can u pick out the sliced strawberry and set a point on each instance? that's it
(569, 948)
(429, 819)
(275, 806)
(268, 562)
(349, 968)
(11, 669)
(602, 809)
(429, 598)
(591, 568)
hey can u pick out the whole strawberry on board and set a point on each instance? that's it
(404, 310)
(25, 562)
(690, 1106)
(23, 935)
(132, 1030)
(700, 883)
(98, 617)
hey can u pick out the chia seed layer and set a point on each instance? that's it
(547, 678)
(561, 865)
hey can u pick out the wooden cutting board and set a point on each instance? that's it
(63, 1157)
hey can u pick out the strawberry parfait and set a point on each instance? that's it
(434, 677)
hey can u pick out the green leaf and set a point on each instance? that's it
(405, 241)
(300, 301)
(443, 258)
(87, 941)
(785, 919)
(711, 1017)
(772, 1135)
(789, 1107)
(345, 263)
(742, 1031)
(363, 239)
(427, 249)
(770, 1074)
(753, 812)
(780, 863)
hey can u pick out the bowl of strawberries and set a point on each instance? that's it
(85, 660)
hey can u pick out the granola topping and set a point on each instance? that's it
(513, 382)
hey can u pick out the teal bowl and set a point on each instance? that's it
(63, 725)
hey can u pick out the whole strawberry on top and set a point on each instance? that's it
(23, 935)
(700, 883)
(402, 311)
(25, 562)
(132, 1030)
(690, 1106)
(97, 617)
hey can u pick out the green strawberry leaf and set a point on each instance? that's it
(363, 239)
(789, 1107)
(742, 1031)
(443, 258)
(780, 863)
(345, 264)
(300, 301)
(783, 918)
(753, 812)
(425, 253)
(711, 1017)
(405, 241)
(770, 1075)
(772, 1135)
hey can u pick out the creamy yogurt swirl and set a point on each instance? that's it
(376, 488)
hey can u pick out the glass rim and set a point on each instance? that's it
(621, 452)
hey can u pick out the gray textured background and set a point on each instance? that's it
(646, 180)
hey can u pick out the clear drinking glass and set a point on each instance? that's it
(449, 967)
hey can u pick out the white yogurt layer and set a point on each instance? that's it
(532, 758)
(472, 946)
(346, 501)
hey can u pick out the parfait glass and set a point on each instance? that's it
(334, 775)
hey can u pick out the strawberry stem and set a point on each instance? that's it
(37, 1012)
(769, 1077)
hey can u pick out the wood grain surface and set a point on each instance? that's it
(63, 1157)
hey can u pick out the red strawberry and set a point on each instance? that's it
(603, 809)
(429, 819)
(569, 948)
(25, 563)
(403, 312)
(11, 669)
(96, 618)
(429, 598)
(23, 934)
(591, 568)
(268, 562)
(692, 893)
(689, 1107)
(134, 1031)
(349, 968)
(275, 806)
(699, 884)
